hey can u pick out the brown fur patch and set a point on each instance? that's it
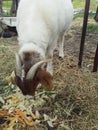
(29, 59)
(28, 87)
(45, 78)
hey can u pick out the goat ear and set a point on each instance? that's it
(45, 78)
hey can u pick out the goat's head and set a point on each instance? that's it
(29, 74)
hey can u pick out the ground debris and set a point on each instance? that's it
(72, 105)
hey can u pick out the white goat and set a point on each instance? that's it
(40, 23)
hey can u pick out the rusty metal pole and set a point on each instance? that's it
(87, 4)
(17, 4)
(96, 61)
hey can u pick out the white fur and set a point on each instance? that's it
(40, 23)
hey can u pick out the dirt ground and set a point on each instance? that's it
(77, 100)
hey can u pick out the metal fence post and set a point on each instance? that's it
(87, 4)
(96, 61)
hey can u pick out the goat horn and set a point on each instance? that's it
(18, 65)
(33, 69)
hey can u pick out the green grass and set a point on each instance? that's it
(92, 27)
(81, 15)
(81, 4)
(6, 4)
(78, 3)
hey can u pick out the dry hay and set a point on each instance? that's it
(79, 86)
(74, 100)
(7, 56)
